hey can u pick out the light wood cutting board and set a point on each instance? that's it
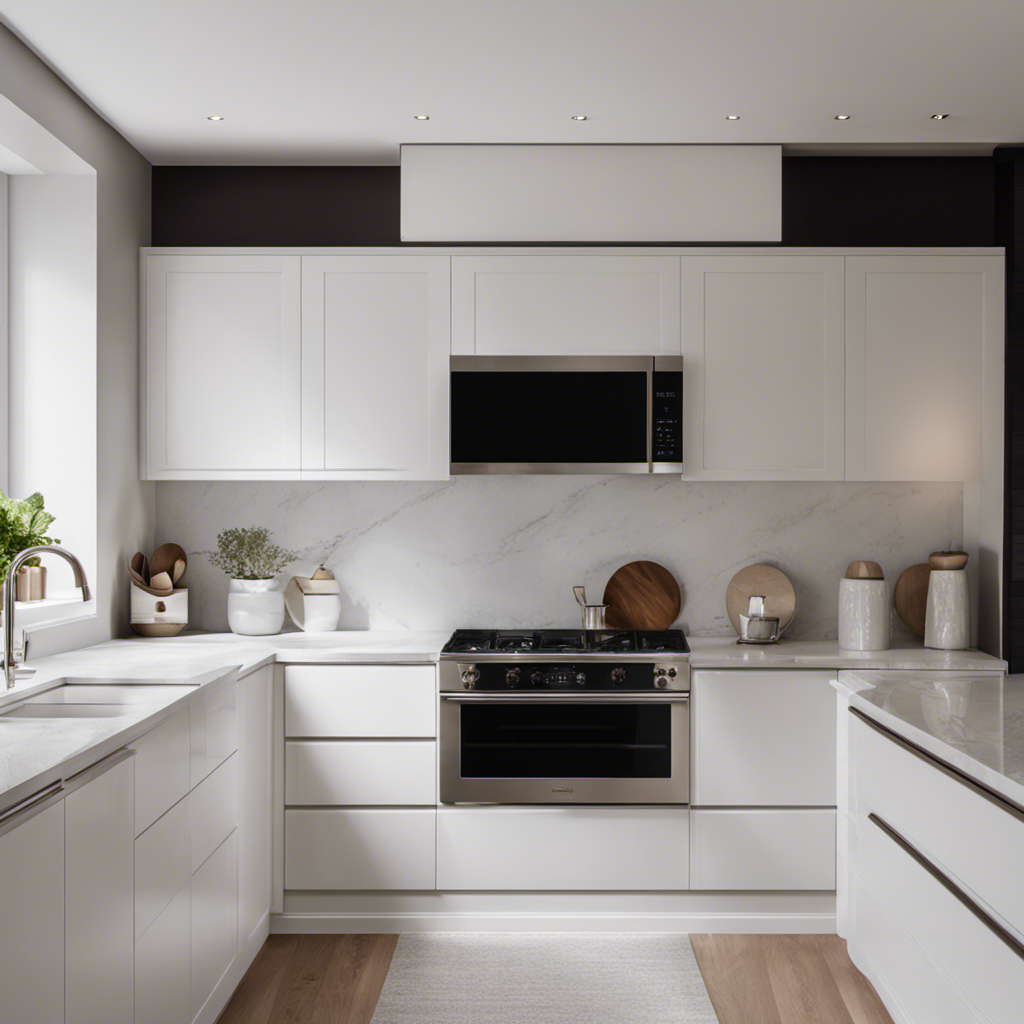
(911, 596)
(642, 595)
(770, 583)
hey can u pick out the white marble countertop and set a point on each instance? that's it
(972, 721)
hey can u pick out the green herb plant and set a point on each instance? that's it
(23, 524)
(245, 553)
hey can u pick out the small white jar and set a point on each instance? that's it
(947, 619)
(255, 607)
(865, 615)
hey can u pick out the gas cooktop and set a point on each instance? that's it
(580, 642)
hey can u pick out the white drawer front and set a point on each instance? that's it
(975, 841)
(360, 700)
(979, 965)
(213, 808)
(359, 849)
(161, 769)
(163, 966)
(364, 773)
(562, 848)
(214, 920)
(162, 865)
(763, 849)
(214, 730)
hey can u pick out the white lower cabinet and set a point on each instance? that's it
(214, 922)
(359, 848)
(162, 865)
(32, 915)
(99, 933)
(161, 769)
(763, 849)
(562, 848)
(163, 965)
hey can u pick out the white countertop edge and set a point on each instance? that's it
(850, 687)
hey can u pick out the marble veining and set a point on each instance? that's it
(506, 551)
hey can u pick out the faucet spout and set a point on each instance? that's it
(10, 658)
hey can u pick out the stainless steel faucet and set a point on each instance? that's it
(11, 654)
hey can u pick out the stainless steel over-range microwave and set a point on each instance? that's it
(557, 414)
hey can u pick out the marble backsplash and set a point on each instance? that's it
(506, 551)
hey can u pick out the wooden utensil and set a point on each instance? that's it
(140, 579)
(163, 559)
(642, 595)
(179, 570)
(768, 582)
(911, 596)
(160, 583)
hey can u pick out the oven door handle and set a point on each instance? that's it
(567, 698)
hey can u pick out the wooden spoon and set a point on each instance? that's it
(141, 578)
(179, 570)
(164, 557)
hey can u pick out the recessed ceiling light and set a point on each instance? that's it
(842, 117)
(939, 117)
(732, 117)
(421, 117)
(579, 117)
(215, 117)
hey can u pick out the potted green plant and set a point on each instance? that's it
(251, 561)
(23, 524)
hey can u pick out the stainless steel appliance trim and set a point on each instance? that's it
(950, 886)
(650, 417)
(976, 787)
(553, 364)
(567, 697)
(678, 658)
(668, 364)
(565, 468)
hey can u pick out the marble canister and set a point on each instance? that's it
(864, 615)
(947, 617)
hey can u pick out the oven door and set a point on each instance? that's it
(565, 748)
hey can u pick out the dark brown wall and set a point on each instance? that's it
(825, 201)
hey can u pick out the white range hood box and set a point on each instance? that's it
(591, 193)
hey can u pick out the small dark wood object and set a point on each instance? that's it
(642, 595)
(911, 596)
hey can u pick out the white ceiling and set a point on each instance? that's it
(339, 81)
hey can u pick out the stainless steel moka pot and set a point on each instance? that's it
(593, 614)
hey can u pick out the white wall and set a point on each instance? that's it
(125, 511)
(506, 551)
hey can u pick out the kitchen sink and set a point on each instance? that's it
(35, 710)
(90, 691)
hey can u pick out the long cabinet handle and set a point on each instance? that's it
(567, 698)
(947, 769)
(950, 886)
(30, 807)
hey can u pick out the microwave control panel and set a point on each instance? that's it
(667, 417)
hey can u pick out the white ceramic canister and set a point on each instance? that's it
(947, 617)
(255, 607)
(865, 615)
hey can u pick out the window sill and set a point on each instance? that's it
(32, 615)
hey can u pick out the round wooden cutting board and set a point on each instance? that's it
(770, 583)
(911, 596)
(642, 595)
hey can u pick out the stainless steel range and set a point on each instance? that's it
(565, 716)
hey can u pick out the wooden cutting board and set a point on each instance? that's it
(911, 596)
(642, 595)
(770, 583)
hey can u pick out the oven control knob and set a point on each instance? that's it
(512, 677)
(672, 673)
(537, 678)
(661, 682)
(470, 676)
(581, 679)
(618, 676)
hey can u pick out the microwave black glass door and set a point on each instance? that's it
(549, 417)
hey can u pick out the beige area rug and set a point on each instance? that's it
(544, 978)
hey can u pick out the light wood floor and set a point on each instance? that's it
(752, 979)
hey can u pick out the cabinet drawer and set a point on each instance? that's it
(163, 966)
(213, 809)
(360, 700)
(364, 773)
(162, 865)
(982, 968)
(359, 849)
(973, 839)
(214, 920)
(764, 738)
(763, 849)
(214, 729)
(562, 848)
(161, 769)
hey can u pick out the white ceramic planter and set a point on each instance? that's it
(865, 615)
(255, 607)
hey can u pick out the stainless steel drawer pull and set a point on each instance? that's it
(951, 887)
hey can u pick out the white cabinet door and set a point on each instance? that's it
(163, 966)
(32, 916)
(920, 333)
(375, 345)
(222, 357)
(213, 732)
(99, 928)
(162, 769)
(763, 367)
(254, 802)
(214, 921)
(763, 738)
(565, 305)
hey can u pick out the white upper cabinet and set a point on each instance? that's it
(375, 346)
(762, 367)
(222, 364)
(919, 333)
(565, 305)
